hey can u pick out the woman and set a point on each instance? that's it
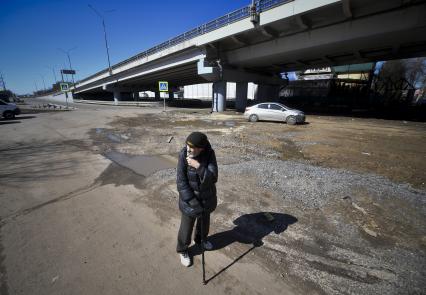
(196, 183)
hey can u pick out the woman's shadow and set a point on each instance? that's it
(249, 229)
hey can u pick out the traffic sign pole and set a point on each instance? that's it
(64, 88)
(163, 86)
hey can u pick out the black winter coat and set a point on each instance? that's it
(197, 183)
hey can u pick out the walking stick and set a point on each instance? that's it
(202, 247)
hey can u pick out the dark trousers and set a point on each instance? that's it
(185, 231)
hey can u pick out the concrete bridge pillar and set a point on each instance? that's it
(241, 96)
(267, 92)
(136, 96)
(171, 95)
(219, 96)
(117, 96)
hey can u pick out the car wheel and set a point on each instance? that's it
(8, 115)
(291, 120)
(253, 118)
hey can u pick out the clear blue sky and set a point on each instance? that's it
(31, 32)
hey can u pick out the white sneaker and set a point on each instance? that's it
(208, 246)
(185, 259)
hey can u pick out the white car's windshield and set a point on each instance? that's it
(283, 106)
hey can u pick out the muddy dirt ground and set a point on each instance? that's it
(88, 204)
(347, 195)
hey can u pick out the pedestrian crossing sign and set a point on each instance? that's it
(163, 86)
(64, 87)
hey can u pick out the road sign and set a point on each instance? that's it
(68, 72)
(163, 86)
(64, 87)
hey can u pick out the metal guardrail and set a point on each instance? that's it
(239, 14)
(121, 103)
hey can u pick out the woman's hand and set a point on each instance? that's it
(192, 162)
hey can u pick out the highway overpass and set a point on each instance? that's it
(258, 42)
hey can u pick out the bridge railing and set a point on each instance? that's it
(239, 14)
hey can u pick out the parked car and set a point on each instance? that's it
(8, 110)
(272, 111)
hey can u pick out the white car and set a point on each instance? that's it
(272, 111)
(8, 110)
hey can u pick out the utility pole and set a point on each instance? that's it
(62, 74)
(105, 36)
(44, 84)
(54, 74)
(2, 83)
(67, 52)
(254, 16)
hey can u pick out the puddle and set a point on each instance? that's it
(118, 175)
(306, 143)
(230, 123)
(141, 165)
(114, 138)
(220, 123)
(117, 138)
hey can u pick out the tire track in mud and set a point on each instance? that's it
(67, 196)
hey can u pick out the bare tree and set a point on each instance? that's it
(393, 70)
(416, 71)
(398, 79)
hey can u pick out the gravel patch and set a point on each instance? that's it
(343, 259)
(315, 186)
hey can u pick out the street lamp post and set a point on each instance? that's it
(3, 84)
(67, 52)
(53, 71)
(105, 36)
(44, 84)
(62, 74)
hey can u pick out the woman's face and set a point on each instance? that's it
(193, 151)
